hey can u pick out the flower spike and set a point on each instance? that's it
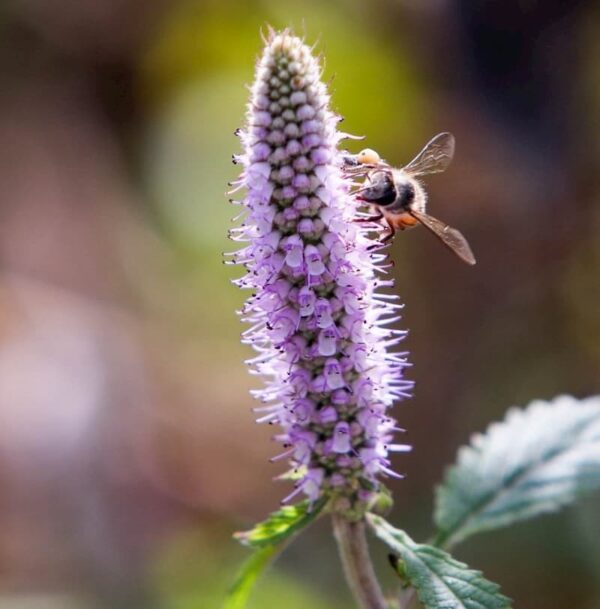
(316, 321)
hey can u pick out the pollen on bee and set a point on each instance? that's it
(368, 157)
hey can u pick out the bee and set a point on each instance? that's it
(398, 197)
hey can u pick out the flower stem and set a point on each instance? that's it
(354, 552)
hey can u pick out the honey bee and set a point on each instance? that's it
(398, 197)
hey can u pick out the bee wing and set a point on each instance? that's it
(435, 156)
(449, 236)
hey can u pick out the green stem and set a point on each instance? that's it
(354, 552)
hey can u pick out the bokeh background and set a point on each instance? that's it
(128, 451)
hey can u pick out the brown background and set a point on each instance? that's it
(127, 448)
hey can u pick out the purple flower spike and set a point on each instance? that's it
(317, 323)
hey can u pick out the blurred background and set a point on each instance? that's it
(128, 451)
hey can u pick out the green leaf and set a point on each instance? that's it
(238, 594)
(281, 524)
(382, 501)
(268, 538)
(441, 581)
(537, 460)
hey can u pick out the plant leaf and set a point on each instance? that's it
(537, 460)
(281, 524)
(268, 538)
(238, 594)
(441, 581)
(382, 501)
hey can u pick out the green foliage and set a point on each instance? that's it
(196, 566)
(382, 502)
(537, 460)
(238, 594)
(281, 524)
(441, 582)
(267, 538)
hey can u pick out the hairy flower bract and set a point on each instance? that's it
(318, 320)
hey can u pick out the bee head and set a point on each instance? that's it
(381, 189)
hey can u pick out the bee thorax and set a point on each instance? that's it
(409, 194)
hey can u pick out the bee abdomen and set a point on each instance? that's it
(400, 221)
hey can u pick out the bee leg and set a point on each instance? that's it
(374, 218)
(356, 173)
(385, 239)
(359, 191)
(390, 234)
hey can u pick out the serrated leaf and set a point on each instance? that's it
(238, 594)
(537, 460)
(441, 582)
(281, 524)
